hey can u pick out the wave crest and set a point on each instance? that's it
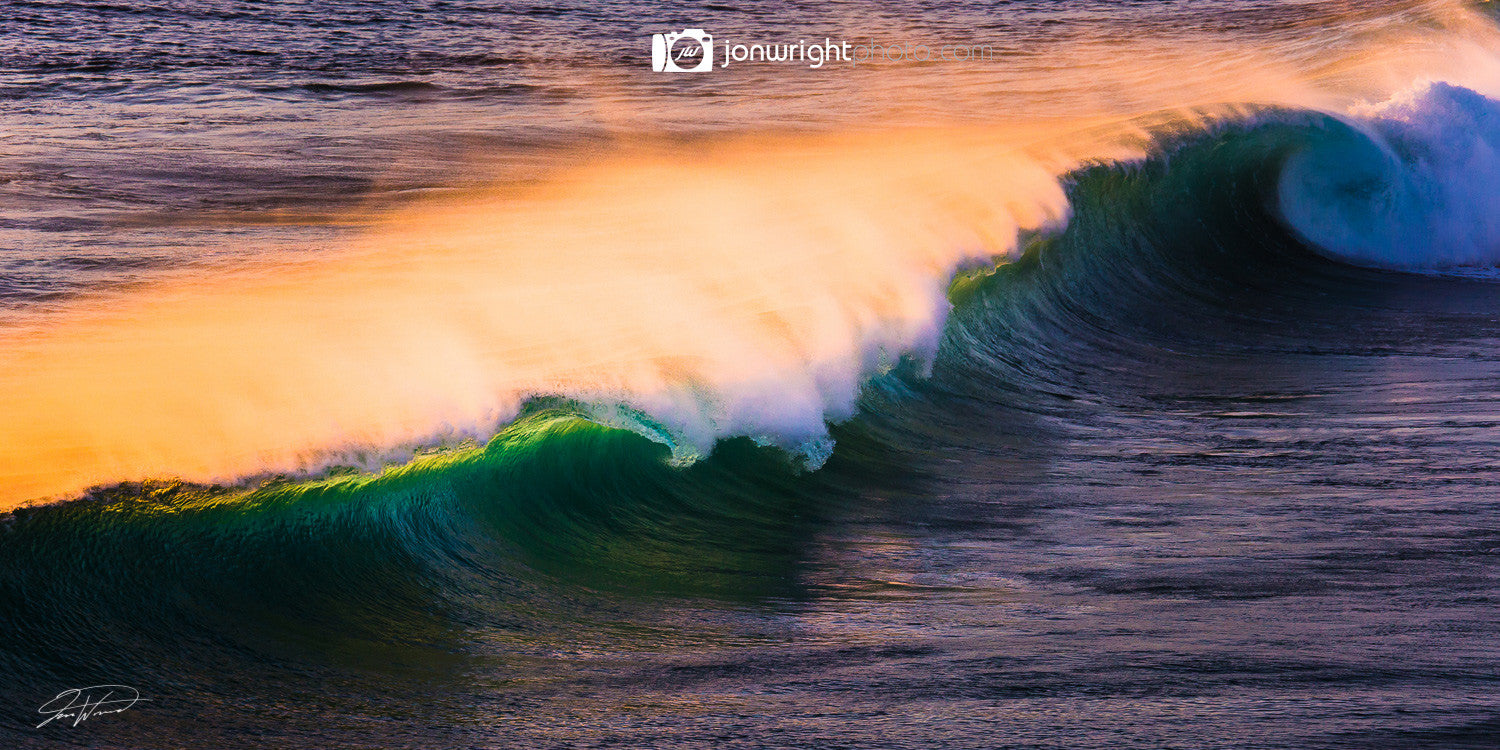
(1407, 184)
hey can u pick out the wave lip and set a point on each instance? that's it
(1407, 184)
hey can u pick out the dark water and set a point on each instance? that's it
(1176, 479)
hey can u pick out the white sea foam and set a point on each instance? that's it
(1413, 184)
(748, 289)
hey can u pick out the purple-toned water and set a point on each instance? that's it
(1131, 383)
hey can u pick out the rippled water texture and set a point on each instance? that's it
(437, 375)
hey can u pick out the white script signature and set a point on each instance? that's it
(82, 703)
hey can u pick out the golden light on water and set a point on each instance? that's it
(753, 289)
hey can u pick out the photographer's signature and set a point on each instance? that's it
(83, 703)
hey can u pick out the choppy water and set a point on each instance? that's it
(1134, 388)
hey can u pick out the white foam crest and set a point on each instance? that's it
(747, 288)
(1413, 185)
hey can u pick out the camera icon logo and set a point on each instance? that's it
(687, 51)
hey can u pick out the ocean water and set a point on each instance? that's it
(430, 375)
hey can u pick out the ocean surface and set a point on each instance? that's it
(436, 374)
